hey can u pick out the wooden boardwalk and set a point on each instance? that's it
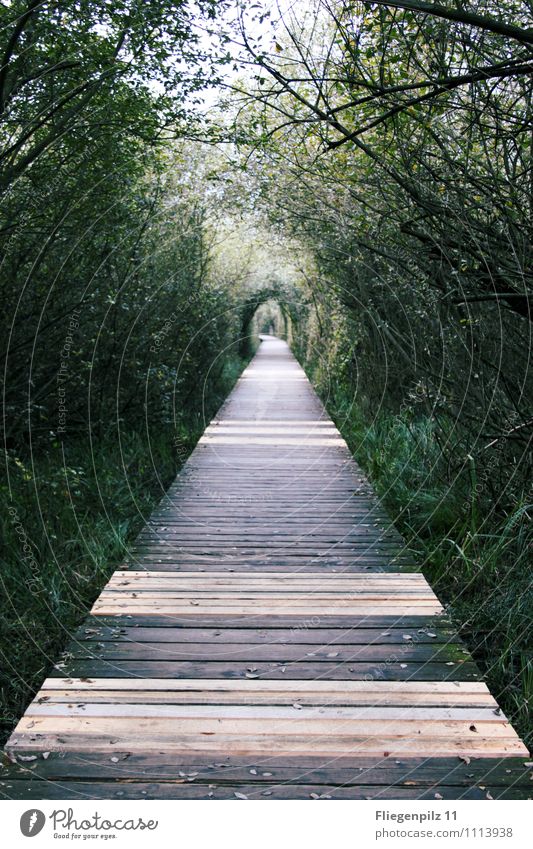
(267, 638)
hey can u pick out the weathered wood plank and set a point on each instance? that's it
(298, 622)
(382, 771)
(87, 739)
(219, 712)
(374, 686)
(186, 789)
(215, 696)
(355, 670)
(251, 608)
(280, 652)
(259, 636)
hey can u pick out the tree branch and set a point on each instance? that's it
(461, 16)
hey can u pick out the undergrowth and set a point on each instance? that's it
(476, 556)
(69, 511)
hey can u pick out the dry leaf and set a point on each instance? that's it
(464, 758)
(240, 795)
(438, 796)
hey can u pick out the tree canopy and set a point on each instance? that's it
(167, 166)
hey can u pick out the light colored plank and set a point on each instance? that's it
(298, 714)
(154, 726)
(229, 685)
(251, 609)
(285, 577)
(214, 696)
(220, 745)
(297, 597)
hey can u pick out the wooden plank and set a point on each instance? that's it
(296, 621)
(252, 611)
(189, 790)
(205, 563)
(97, 719)
(85, 738)
(280, 652)
(214, 695)
(317, 589)
(345, 771)
(276, 578)
(451, 688)
(292, 595)
(392, 636)
(370, 714)
(396, 671)
(276, 599)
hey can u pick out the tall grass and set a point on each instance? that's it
(476, 556)
(69, 512)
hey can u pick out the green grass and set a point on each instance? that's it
(68, 515)
(476, 558)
